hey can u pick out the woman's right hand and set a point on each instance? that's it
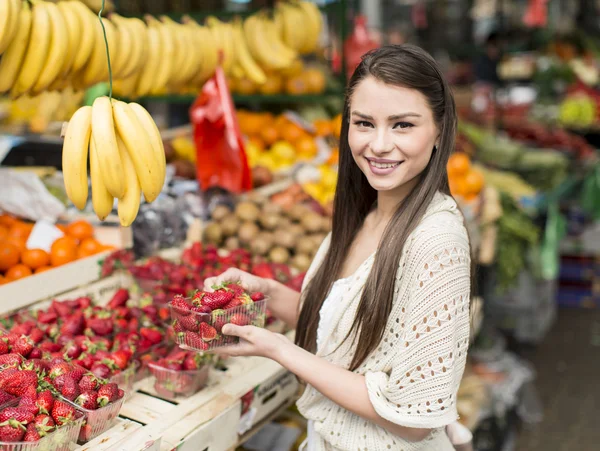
(248, 281)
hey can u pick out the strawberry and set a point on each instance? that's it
(207, 332)
(61, 309)
(219, 319)
(12, 431)
(192, 361)
(235, 302)
(88, 382)
(263, 270)
(11, 359)
(217, 299)
(85, 432)
(62, 412)
(44, 424)
(11, 338)
(101, 325)
(5, 397)
(239, 319)
(83, 302)
(180, 305)
(3, 347)
(31, 434)
(77, 373)
(36, 353)
(29, 405)
(152, 334)
(59, 369)
(37, 335)
(108, 393)
(19, 381)
(101, 370)
(85, 360)
(189, 322)
(120, 393)
(258, 296)
(45, 401)
(177, 327)
(121, 358)
(46, 317)
(88, 400)
(48, 346)
(73, 325)
(194, 340)
(16, 413)
(119, 299)
(70, 389)
(205, 309)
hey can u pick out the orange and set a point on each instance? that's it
(291, 132)
(19, 243)
(474, 182)
(334, 158)
(7, 220)
(306, 147)
(107, 247)
(3, 280)
(257, 142)
(296, 85)
(458, 164)
(323, 127)
(62, 228)
(20, 230)
(269, 135)
(336, 125)
(3, 233)
(35, 258)
(83, 253)
(65, 241)
(9, 256)
(272, 86)
(90, 246)
(63, 251)
(315, 80)
(42, 269)
(80, 230)
(458, 187)
(17, 272)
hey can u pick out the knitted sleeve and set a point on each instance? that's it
(428, 350)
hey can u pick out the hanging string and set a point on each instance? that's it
(110, 78)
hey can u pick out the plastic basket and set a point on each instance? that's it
(251, 314)
(96, 421)
(64, 438)
(126, 378)
(171, 383)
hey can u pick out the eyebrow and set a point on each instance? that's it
(390, 118)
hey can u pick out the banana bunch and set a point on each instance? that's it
(9, 22)
(126, 157)
(302, 38)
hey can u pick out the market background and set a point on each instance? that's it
(251, 175)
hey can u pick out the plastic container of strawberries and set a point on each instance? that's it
(189, 335)
(95, 422)
(171, 383)
(126, 378)
(64, 438)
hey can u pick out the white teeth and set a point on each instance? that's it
(383, 165)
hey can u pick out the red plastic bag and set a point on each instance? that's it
(221, 159)
(358, 43)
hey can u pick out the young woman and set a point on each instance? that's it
(382, 324)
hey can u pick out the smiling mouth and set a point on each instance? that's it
(384, 164)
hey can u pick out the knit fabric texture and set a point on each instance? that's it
(413, 376)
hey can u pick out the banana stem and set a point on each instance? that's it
(110, 77)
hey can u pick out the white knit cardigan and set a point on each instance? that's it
(413, 376)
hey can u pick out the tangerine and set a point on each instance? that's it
(35, 258)
(62, 252)
(65, 241)
(18, 272)
(7, 220)
(458, 164)
(269, 135)
(291, 132)
(19, 243)
(306, 147)
(20, 230)
(474, 182)
(80, 230)
(90, 245)
(315, 80)
(42, 269)
(3, 233)
(323, 127)
(336, 126)
(9, 256)
(3, 280)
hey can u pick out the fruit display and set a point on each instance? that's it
(18, 261)
(198, 321)
(126, 158)
(579, 111)
(180, 372)
(290, 235)
(465, 181)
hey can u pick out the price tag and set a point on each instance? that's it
(42, 236)
(247, 421)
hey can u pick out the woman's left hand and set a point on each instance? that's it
(254, 341)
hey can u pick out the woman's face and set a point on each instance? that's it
(391, 133)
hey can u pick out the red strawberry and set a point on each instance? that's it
(152, 334)
(36, 353)
(120, 393)
(11, 338)
(3, 347)
(29, 405)
(202, 309)
(13, 431)
(195, 341)
(119, 299)
(46, 317)
(88, 400)
(192, 361)
(121, 358)
(5, 397)
(59, 369)
(73, 325)
(85, 360)
(19, 381)
(263, 270)
(217, 299)
(207, 332)
(88, 382)
(180, 305)
(44, 424)
(258, 296)
(62, 412)
(83, 302)
(31, 434)
(48, 346)
(108, 393)
(235, 302)
(20, 414)
(101, 325)
(45, 401)
(11, 359)
(101, 370)
(37, 335)
(70, 389)
(77, 373)
(236, 288)
(239, 319)
(85, 432)
(177, 327)
(189, 322)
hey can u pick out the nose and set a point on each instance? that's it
(382, 142)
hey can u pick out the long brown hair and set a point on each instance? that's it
(400, 65)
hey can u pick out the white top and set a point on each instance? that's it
(413, 376)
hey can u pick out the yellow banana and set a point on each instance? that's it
(127, 86)
(37, 50)
(96, 69)
(11, 60)
(59, 47)
(293, 26)
(165, 68)
(222, 37)
(182, 53)
(129, 205)
(151, 130)
(274, 40)
(149, 71)
(315, 22)
(210, 52)
(102, 200)
(74, 34)
(105, 140)
(260, 48)
(140, 150)
(75, 155)
(127, 48)
(250, 68)
(137, 29)
(9, 21)
(85, 43)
